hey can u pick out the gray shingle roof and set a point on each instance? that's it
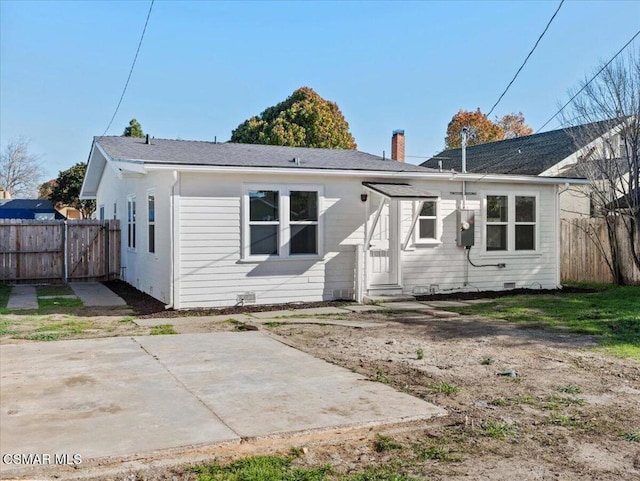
(189, 152)
(528, 155)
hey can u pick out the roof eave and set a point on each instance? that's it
(433, 175)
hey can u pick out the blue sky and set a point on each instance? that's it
(205, 67)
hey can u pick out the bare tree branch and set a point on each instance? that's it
(20, 171)
(612, 164)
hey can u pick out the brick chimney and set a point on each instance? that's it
(397, 145)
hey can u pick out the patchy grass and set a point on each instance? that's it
(260, 468)
(633, 436)
(274, 324)
(162, 330)
(57, 304)
(570, 389)
(420, 354)
(385, 443)
(54, 290)
(498, 430)
(381, 377)
(443, 387)
(612, 314)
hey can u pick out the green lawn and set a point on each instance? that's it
(612, 313)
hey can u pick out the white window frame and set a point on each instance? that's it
(131, 222)
(101, 212)
(417, 239)
(511, 224)
(151, 193)
(284, 222)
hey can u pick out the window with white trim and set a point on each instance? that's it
(511, 223)
(101, 212)
(151, 222)
(427, 229)
(497, 222)
(281, 221)
(525, 228)
(131, 222)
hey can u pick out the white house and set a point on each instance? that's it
(208, 225)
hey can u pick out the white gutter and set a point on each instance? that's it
(447, 176)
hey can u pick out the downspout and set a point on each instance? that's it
(558, 235)
(172, 253)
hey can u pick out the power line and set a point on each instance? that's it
(590, 80)
(526, 59)
(131, 70)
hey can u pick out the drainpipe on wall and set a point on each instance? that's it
(172, 253)
(558, 235)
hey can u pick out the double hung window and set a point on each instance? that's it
(511, 223)
(281, 221)
(428, 221)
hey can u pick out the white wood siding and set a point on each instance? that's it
(211, 272)
(444, 264)
(147, 272)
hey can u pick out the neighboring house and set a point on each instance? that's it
(38, 209)
(208, 225)
(557, 153)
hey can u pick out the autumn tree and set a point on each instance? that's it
(612, 99)
(46, 189)
(66, 191)
(303, 120)
(133, 130)
(483, 129)
(513, 125)
(20, 170)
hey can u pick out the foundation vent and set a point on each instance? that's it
(509, 285)
(245, 297)
(343, 294)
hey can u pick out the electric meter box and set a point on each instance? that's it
(466, 228)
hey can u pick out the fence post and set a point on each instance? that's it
(65, 249)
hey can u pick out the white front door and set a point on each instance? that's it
(383, 248)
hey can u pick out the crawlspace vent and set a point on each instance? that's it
(509, 285)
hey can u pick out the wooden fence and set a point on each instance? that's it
(59, 251)
(582, 261)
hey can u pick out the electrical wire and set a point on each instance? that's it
(501, 265)
(124, 90)
(527, 58)
(590, 80)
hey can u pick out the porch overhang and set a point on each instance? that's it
(399, 191)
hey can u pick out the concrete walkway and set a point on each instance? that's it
(92, 294)
(22, 297)
(123, 396)
(95, 294)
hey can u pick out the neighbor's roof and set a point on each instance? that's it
(189, 152)
(528, 155)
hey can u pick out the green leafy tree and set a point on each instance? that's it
(303, 120)
(66, 191)
(133, 130)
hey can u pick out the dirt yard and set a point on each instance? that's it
(524, 404)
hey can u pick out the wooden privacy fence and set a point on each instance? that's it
(582, 260)
(59, 251)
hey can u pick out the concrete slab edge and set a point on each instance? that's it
(118, 466)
